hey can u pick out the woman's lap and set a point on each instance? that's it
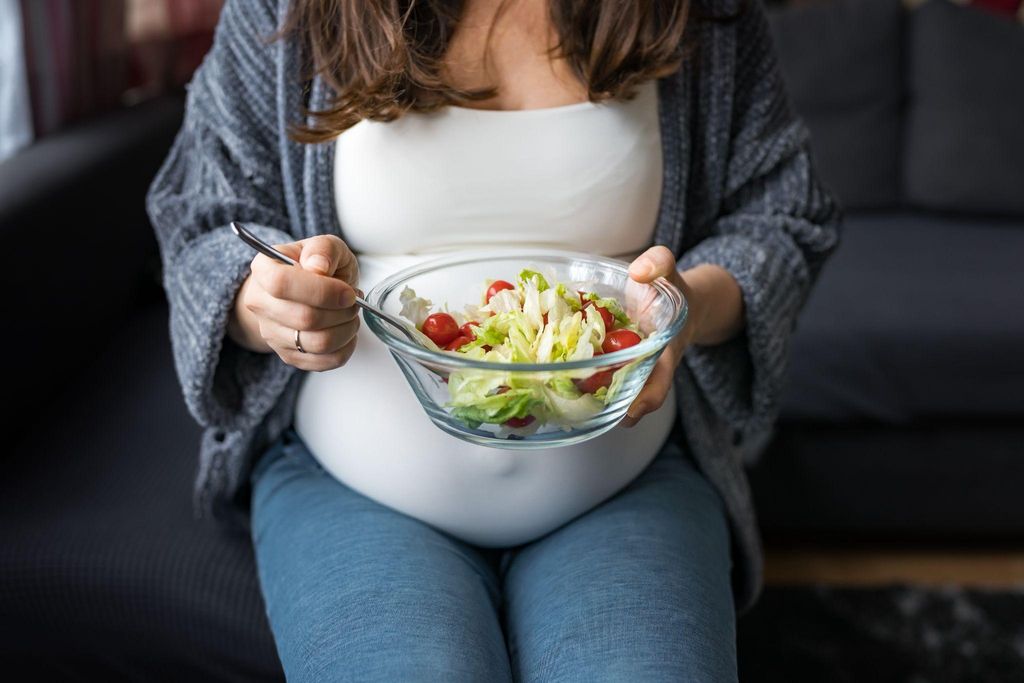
(356, 590)
(637, 588)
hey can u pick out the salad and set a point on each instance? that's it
(529, 321)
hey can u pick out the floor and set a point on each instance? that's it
(886, 614)
(875, 566)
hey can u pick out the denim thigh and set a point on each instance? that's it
(636, 589)
(357, 591)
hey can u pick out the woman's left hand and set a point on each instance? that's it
(656, 262)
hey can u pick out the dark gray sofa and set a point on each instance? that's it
(903, 417)
(104, 573)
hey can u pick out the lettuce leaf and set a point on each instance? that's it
(505, 301)
(414, 308)
(569, 411)
(610, 305)
(618, 377)
(564, 387)
(572, 300)
(554, 306)
(526, 276)
(496, 408)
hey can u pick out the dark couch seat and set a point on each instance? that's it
(105, 573)
(915, 317)
(903, 417)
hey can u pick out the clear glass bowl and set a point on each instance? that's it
(658, 308)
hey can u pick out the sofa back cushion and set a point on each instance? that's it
(964, 140)
(842, 63)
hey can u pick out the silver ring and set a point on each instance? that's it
(298, 344)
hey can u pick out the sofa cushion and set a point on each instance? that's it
(841, 60)
(104, 573)
(965, 121)
(914, 317)
(947, 481)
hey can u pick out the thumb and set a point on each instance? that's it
(658, 261)
(320, 254)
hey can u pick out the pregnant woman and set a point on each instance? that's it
(361, 136)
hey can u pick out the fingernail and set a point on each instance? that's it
(318, 262)
(644, 267)
(637, 411)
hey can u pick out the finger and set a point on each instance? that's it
(653, 394)
(301, 286)
(292, 250)
(347, 267)
(295, 315)
(658, 261)
(316, 362)
(313, 341)
(325, 254)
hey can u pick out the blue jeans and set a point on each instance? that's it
(636, 589)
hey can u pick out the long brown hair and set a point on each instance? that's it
(383, 58)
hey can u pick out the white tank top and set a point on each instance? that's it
(585, 177)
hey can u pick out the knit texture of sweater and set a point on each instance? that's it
(739, 191)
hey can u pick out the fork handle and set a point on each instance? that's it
(259, 245)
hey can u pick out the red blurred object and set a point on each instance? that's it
(591, 384)
(168, 39)
(1010, 8)
(619, 339)
(85, 57)
(457, 343)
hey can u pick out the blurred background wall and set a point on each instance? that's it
(67, 60)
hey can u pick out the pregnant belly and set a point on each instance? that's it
(363, 423)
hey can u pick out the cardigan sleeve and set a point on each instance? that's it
(774, 230)
(224, 165)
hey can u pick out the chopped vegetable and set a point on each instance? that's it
(441, 328)
(532, 321)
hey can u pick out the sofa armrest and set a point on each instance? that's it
(80, 249)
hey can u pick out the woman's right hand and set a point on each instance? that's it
(317, 299)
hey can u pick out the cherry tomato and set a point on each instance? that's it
(591, 384)
(441, 328)
(616, 340)
(609, 319)
(457, 343)
(467, 331)
(497, 286)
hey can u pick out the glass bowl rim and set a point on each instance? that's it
(654, 342)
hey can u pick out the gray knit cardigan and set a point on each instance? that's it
(739, 191)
